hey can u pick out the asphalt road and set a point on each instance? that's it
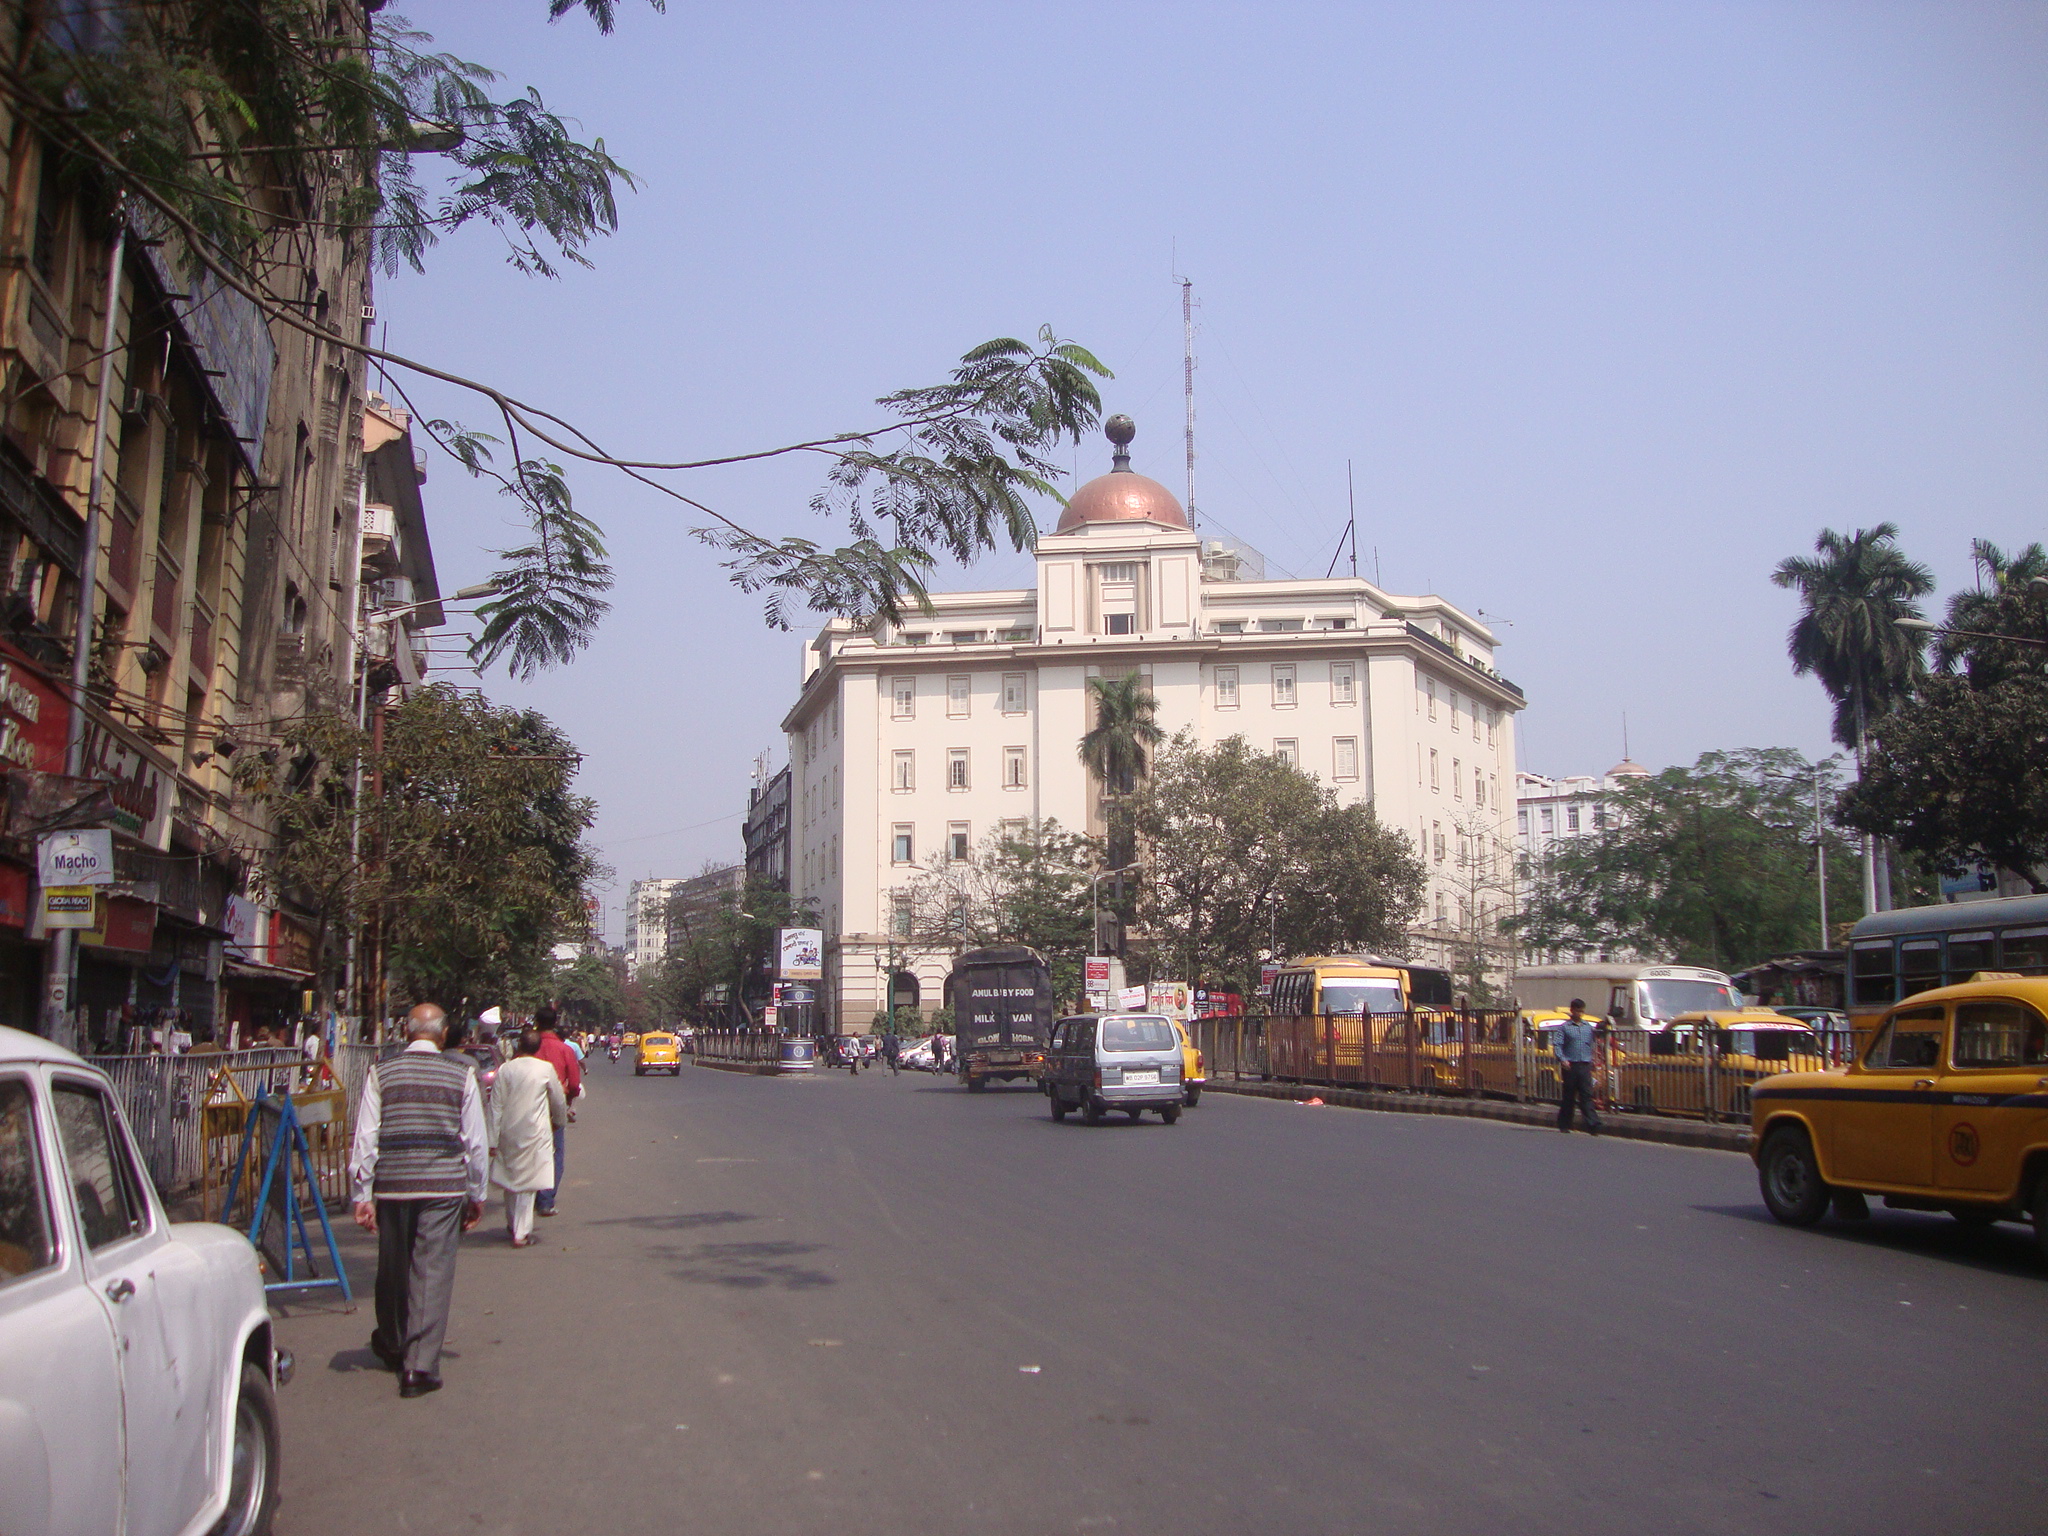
(884, 1306)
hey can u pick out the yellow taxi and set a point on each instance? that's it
(1193, 1070)
(1944, 1108)
(660, 1051)
(1667, 1071)
(629, 1038)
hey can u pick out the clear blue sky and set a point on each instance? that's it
(1611, 305)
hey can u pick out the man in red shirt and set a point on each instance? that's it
(556, 1053)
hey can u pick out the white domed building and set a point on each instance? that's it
(921, 738)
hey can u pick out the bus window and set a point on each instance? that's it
(1873, 973)
(2026, 951)
(1968, 953)
(1919, 966)
(1354, 995)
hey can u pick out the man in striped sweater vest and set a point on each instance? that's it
(420, 1166)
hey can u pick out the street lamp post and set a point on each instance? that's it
(1929, 627)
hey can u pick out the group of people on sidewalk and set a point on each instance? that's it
(425, 1154)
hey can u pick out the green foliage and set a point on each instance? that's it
(722, 944)
(472, 858)
(1960, 773)
(590, 990)
(1847, 635)
(1028, 885)
(1708, 865)
(1116, 747)
(1248, 856)
(966, 454)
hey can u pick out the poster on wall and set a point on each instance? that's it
(802, 954)
(83, 857)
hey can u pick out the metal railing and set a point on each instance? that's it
(739, 1045)
(1490, 1053)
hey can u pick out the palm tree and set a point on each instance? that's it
(1982, 610)
(1849, 637)
(1115, 750)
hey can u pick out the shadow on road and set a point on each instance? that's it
(747, 1266)
(679, 1221)
(2001, 1250)
(346, 1360)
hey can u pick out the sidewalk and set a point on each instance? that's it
(1618, 1123)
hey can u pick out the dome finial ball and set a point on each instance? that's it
(1120, 429)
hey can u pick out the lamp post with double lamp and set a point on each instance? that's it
(375, 1003)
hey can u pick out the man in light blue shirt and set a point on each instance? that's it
(1573, 1045)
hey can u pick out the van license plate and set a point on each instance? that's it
(1141, 1077)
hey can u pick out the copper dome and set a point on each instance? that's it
(1122, 497)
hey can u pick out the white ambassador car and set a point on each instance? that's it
(137, 1372)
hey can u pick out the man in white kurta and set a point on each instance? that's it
(527, 1104)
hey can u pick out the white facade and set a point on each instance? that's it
(647, 922)
(1551, 814)
(921, 738)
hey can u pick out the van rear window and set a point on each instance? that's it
(1137, 1035)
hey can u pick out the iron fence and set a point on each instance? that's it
(1703, 1074)
(742, 1045)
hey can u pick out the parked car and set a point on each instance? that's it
(139, 1392)
(1128, 1061)
(1193, 1069)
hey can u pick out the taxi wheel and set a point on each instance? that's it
(1790, 1178)
(2037, 1207)
(1194, 1097)
(1091, 1113)
(1170, 1114)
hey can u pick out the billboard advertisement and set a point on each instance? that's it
(801, 954)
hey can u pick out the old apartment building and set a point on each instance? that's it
(918, 739)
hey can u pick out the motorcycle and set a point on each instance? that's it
(613, 1052)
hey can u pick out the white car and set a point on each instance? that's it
(138, 1375)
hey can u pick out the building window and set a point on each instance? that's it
(964, 636)
(1571, 818)
(1226, 687)
(903, 770)
(1492, 718)
(1522, 821)
(1346, 766)
(1549, 817)
(1341, 686)
(1127, 571)
(956, 768)
(1443, 915)
(1492, 790)
(1599, 818)
(1283, 687)
(958, 690)
(1279, 626)
(1429, 689)
(1454, 711)
(1435, 784)
(1120, 623)
(1478, 785)
(903, 847)
(1288, 750)
(1457, 780)
(957, 841)
(1436, 836)
(1229, 626)
(916, 638)
(1013, 693)
(899, 916)
(1013, 767)
(903, 691)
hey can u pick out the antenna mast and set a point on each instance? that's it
(1187, 326)
(1351, 494)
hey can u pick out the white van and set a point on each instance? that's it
(1634, 996)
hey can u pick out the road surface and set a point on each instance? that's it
(886, 1306)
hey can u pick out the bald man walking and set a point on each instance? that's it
(420, 1170)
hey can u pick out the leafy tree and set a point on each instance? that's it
(234, 127)
(1960, 773)
(1708, 865)
(1116, 746)
(1481, 880)
(467, 859)
(591, 989)
(718, 950)
(1849, 637)
(1027, 885)
(1247, 856)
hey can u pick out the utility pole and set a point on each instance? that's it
(1187, 327)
